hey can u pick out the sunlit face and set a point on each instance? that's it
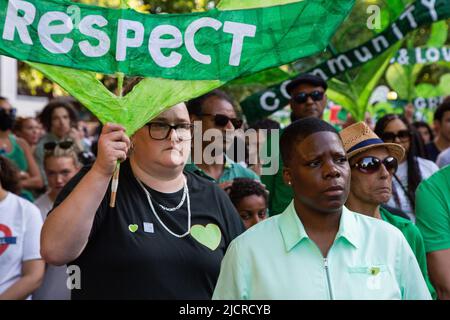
(59, 171)
(30, 131)
(310, 108)
(319, 172)
(371, 188)
(252, 209)
(60, 126)
(425, 134)
(395, 126)
(170, 153)
(443, 127)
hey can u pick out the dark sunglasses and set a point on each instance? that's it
(371, 165)
(390, 136)
(50, 146)
(222, 120)
(302, 97)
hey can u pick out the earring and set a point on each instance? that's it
(289, 183)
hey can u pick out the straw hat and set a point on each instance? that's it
(358, 138)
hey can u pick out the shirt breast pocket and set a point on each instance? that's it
(374, 281)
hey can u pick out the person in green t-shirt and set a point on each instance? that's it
(373, 163)
(433, 220)
(308, 99)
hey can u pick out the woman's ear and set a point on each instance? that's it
(287, 178)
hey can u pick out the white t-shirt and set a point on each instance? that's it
(54, 285)
(444, 158)
(44, 204)
(20, 231)
(426, 167)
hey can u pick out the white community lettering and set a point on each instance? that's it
(90, 26)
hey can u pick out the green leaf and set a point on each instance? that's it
(369, 76)
(397, 78)
(426, 90)
(438, 36)
(444, 85)
(149, 98)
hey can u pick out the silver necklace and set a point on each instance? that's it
(186, 196)
(183, 198)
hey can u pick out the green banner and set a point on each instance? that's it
(420, 13)
(421, 55)
(212, 45)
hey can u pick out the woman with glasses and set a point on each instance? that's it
(60, 119)
(412, 169)
(373, 164)
(168, 232)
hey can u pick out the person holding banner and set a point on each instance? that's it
(168, 232)
(308, 99)
(317, 248)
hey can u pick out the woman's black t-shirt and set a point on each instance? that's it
(130, 255)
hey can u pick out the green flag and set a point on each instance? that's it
(213, 45)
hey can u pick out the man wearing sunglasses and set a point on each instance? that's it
(215, 111)
(308, 99)
(373, 163)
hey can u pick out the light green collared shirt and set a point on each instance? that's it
(275, 259)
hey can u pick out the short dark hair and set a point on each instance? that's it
(443, 108)
(299, 130)
(9, 175)
(307, 78)
(267, 124)
(245, 187)
(45, 117)
(195, 106)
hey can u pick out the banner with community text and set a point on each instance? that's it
(419, 13)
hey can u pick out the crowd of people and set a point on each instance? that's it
(362, 212)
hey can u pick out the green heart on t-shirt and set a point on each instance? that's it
(133, 227)
(208, 236)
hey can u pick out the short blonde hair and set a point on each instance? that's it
(59, 152)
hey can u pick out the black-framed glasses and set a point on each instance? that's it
(302, 97)
(222, 120)
(65, 144)
(370, 165)
(390, 136)
(161, 130)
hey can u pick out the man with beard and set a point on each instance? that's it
(308, 99)
(215, 113)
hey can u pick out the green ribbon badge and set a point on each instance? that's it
(374, 271)
(133, 227)
(208, 236)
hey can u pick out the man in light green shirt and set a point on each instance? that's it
(318, 249)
